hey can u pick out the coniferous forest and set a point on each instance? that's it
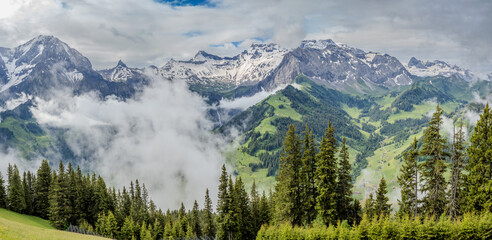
(446, 193)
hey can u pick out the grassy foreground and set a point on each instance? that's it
(17, 226)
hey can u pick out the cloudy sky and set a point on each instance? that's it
(144, 32)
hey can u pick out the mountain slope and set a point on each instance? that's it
(378, 128)
(225, 73)
(46, 63)
(17, 226)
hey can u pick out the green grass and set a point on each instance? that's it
(17, 226)
(27, 141)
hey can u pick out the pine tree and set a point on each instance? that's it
(27, 186)
(326, 177)
(265, 213)
(208, 224)
(223, 206)
(288, 189)
(243, 211)
(478, 196)
(3, 194)
(55, 212)
(408, 180)
(16, 198)
(382, 207)
(196, 228)
(255, 208)
(432, 169)
(457, 159)
(369, 206)
(344, 184)
(42, 189)
(127, 228)
(308, 176)
(355, 213)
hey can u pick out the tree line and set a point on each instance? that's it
(431, 206)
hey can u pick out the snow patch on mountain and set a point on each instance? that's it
(247, 68)
(438, 68)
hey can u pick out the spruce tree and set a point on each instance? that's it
(433, 168)
(223, 205)
(265, 209)
(3, 194)
(27, 186)
(42, 186)
(308, 176)
(56, 210)
(208, 223)
(326, 177)
(478, 181)
(382, 207)
(408, 180)
(16, 198)
(355, 213)
(255, 208)
(243, 211)
(196, 228)
(457, 160)
(369, 206)
(288, 189)
(344, 184)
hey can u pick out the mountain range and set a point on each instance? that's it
(374, 101)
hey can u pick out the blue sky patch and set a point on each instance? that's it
(184, 3)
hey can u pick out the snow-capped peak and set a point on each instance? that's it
(437, 68)
(248, 67)
(41, 56)
(317, 44)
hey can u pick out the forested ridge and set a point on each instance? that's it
(312, 198)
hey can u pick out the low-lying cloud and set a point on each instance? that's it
(161, 137)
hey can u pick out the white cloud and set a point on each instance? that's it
(162, 138)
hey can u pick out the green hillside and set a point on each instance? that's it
(378, 128)
(17, 226)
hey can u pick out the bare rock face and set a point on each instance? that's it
(339, 67)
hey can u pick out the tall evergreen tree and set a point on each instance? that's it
(42, 189)
(56, 210)
(288, 189)
(265, 209)
(355, 213)
(457, 159)
(326, 177)
(3, 194)
(408, 180)
(255, 208)
(369, 206)
(433, 168)
(27, 186)
(208, 222)
(308, 172)
(196, 228)
(478, 181)
(16, 198)
(382, 207)
(243, 211)
(344, 184)
(223, 205)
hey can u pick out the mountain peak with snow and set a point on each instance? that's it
(438, 68)
(317, 44)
